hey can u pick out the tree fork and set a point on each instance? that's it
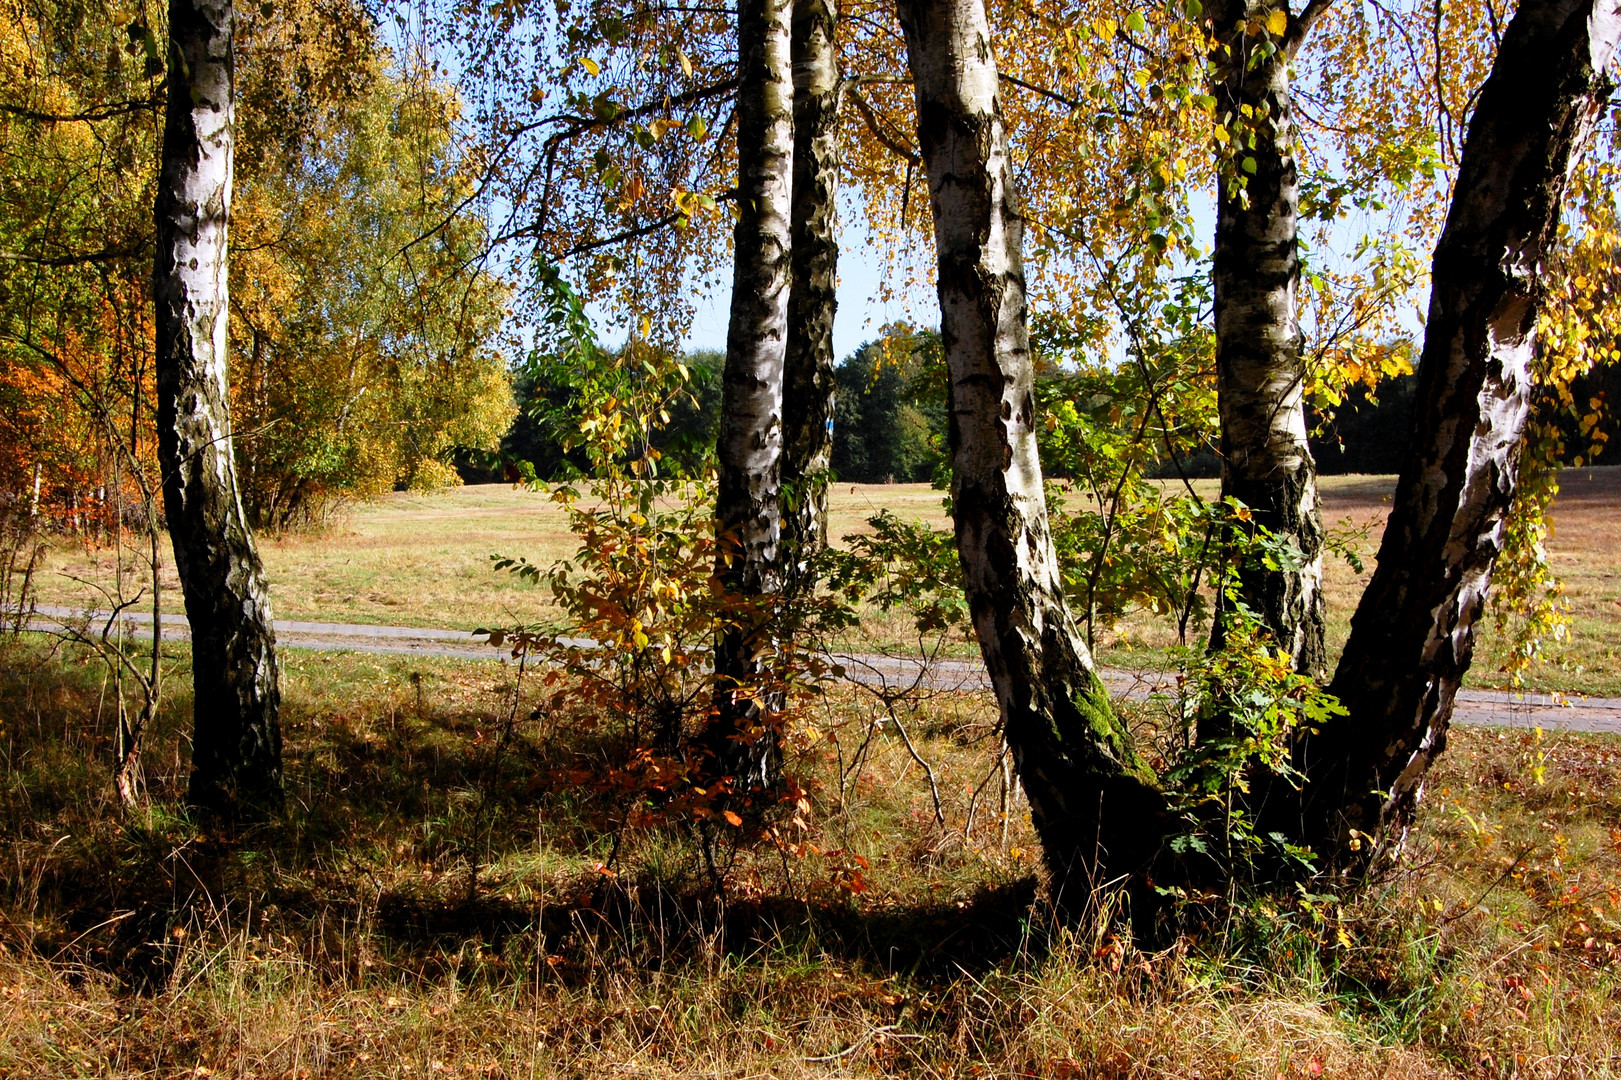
(236, 745)
(1095, 803)
(1413, 634)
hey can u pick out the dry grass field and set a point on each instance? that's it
(424, 560)
(457, 889)
(432, 906)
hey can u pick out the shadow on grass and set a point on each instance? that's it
(407, 812)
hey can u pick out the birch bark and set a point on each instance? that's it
(1095, 803)
(748, 504)
(236, 747)
(1260, 374)
(808, 380)
(1413, 635)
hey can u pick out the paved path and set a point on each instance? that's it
(1476, 707)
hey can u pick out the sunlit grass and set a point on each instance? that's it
(424, 560)
(427, 909)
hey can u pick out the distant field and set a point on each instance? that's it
(424, 560)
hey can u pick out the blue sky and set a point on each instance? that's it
(861, 313)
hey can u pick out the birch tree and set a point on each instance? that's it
(1093, 800)
(748, 508)
(1413, 634)
(808, 378)
(236, 745)
(1260, 371)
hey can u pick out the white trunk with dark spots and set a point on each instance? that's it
(1094, 802)
(1260, 372)
(808, 380)
(1413, 635)
(747, 504)
(236, 748)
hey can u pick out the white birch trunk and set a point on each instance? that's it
(808, 379)
(1412, 638)
(1094, 802)
(747, 505)
(236, 748)
(1260, 372)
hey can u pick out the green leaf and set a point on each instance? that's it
(1135, 23)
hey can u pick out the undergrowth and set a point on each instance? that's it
(440, 900)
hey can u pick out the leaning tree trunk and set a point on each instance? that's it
(1413, 634)
(808, 380)
(747, 504)
(1266, 463)
(1094, 802)
(236, 747)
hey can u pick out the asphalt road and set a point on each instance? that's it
(1474, 707)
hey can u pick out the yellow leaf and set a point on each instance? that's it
(1277, 23)
(686, 65)
(590, 65)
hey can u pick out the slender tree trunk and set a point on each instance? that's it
(236, 748)
(1094, 802)
(1413, 634)
(808, 380)
(747, 504)
(1266, 463)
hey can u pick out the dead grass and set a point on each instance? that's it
(428, 909)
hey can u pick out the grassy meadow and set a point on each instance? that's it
(463, 886)
(424, 560)
(445, 901)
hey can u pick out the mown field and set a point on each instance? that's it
(425, 560)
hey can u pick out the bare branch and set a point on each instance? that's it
(106, 112)
(877, 128)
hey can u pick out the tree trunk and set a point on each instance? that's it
(1413, 634)
(1266, 463)
(747, 504)
(236, 748)
(1094, 802)
(808, 380)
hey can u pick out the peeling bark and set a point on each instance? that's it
(808, 380)
(1260, 372)
(236, 746)
(1413, 634)
(747, 503)
(1095, 803)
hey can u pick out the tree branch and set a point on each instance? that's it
(1069, 102)
(104, 255)
(106, 112)
(641, 230)
(878, 132)
(1301, 25)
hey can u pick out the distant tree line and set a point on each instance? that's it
(890, 422)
